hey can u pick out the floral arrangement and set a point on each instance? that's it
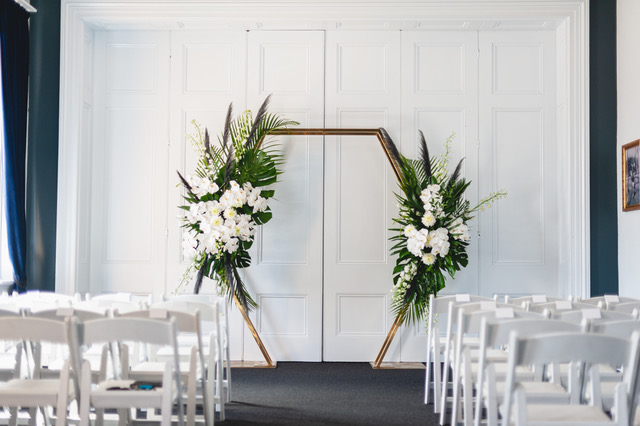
(226, 199)
(433, 232)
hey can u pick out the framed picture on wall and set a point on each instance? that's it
(631, 176)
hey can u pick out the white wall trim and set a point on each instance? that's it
(570, 17)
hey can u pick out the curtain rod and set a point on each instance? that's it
(26, 6)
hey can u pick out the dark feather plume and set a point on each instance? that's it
(227, 128)
(229, 165)
(424, 156)
(256, 122)
(186, 184)
(199, 277)
(456, 173)
(207, 146)
(391, 146)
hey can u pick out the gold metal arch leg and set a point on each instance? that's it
(256, 336)
(387, 342)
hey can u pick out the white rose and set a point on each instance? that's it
(428, 259)
(428, 219)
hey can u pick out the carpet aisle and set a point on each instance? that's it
(328, 394)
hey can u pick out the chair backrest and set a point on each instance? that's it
(594, 315)
(42, 330)
(113, 297)
(532, 299)
(497, 333)
(208, 311)
(34, 329)
(557, 305)
(586, 348)
(105, 304)
(143, 330)
(623, 328)
(626, 307)
(186, 321)
(60, 313)
(608, 300)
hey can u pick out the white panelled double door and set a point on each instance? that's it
(321, 270)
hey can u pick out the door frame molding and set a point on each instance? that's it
(569, 18)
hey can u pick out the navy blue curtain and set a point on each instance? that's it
(14, 45)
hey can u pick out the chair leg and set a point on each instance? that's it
(33, 415)
(437, 379)
(219, 386)
(191, 401)
(445, 389)
(13, 416)
(227, 380)
(99, 417)
(123, 416)
(85, 396)
(428, 366)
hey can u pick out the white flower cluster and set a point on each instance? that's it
(460, 230)
(432, 200)
(404, 281)
(220, 225)
(427, 243)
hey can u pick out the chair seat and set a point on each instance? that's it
(501, 369)
(565, 414)
(153, 370)
(41, 392)
(493, 355)
(607, 374)
(542, 392)
(102, 397)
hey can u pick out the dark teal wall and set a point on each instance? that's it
(43, 146)
(603, 136)
(42, 153)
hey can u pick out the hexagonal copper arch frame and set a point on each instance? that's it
(396, 170)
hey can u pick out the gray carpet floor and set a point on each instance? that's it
(328, 394)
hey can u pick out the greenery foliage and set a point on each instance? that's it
(226, 199)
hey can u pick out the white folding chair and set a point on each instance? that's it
(608, 300)
(223, 336)
(450, 345)
(490, 382)
(602, 389)
(10, 350)
(466, 356)
(124, 394)
(577, 348)
(213, 349)
(436, 328)
(51, 358)
(194, 370)
(31, 390)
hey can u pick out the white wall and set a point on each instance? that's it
(628, 130)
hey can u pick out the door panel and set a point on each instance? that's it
(518, 236)
(128, 224)
(363, 91)
(286, 274)
(440, 97)
(208, 70)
